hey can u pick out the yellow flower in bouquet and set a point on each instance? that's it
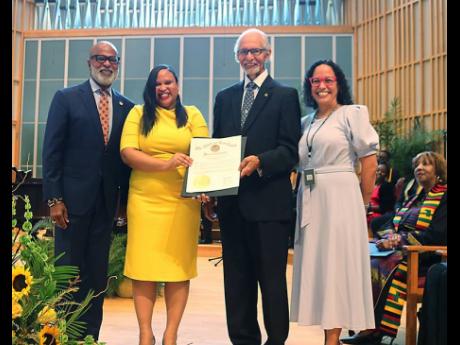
(49, 335)
(21, 281)
(46, 315)
(16, 309)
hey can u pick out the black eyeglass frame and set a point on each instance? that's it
(103, 58)
(253, 51)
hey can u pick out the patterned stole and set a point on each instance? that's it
(429, 206)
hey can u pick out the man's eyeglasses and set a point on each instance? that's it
(253, 51)
(102, 58)
(316, 81)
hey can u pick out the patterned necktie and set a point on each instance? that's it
(103, 108)
(247, 102)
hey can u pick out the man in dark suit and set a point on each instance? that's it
(83, 173)
(255, 224)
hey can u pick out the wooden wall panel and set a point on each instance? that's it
(22, 21)
(401, 51)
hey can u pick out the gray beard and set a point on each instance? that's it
(102, 80)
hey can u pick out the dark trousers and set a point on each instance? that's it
(86, 243)
(254, 253)
(205, 229)
(433, 314)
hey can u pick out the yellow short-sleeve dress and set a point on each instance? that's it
(163, 227)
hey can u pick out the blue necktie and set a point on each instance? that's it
(247, 102)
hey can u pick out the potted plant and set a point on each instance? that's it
(404, 146)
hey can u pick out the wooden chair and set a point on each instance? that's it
(414, 291)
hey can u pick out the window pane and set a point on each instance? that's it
(317, 48)
(225, 65)
(27, 145)
(52, 60)
(196, 51)
(47, 91)
(134, 89)
(28, 105)
(196, 92)
(167, 52)
(287, 57)
(30, 61)
(78, 57)
(137, 58)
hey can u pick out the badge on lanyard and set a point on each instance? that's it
(309, 177)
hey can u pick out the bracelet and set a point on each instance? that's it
(54, 201)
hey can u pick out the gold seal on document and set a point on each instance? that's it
(215, 148)
(201, 181)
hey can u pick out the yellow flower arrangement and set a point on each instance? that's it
(46, 315)
(49, 335)
(21, 282)
(43, 311)
(16, 309)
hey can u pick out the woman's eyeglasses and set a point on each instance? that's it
(316, 81)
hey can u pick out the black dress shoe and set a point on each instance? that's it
(372, 338)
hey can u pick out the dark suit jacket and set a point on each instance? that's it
(75, 159)
(272, 129)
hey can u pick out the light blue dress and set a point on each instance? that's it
(331, 284)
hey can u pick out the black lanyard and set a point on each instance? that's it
(310, 146)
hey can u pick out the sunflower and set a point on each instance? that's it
(49, 335)
(21, 281)
(46, 315)
(16, 309)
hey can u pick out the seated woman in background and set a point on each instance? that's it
(421, 221)
(407, 191)
(383, 197)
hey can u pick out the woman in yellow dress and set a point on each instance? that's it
(162, 226)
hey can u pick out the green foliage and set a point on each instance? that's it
(386, 128)
(116, 262)
(403, 147)
(42, 307)
(407, 147)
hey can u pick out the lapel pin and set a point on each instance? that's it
(120, 102)
(266, 94)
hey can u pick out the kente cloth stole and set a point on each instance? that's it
(429, 206)
(394, 303)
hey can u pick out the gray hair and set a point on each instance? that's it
(249, 31)
(91, 50)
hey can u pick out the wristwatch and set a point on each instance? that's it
(54, 201)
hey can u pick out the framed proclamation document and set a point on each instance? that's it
(214, 170)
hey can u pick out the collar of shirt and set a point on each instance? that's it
(258, 81)
(95, 87)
